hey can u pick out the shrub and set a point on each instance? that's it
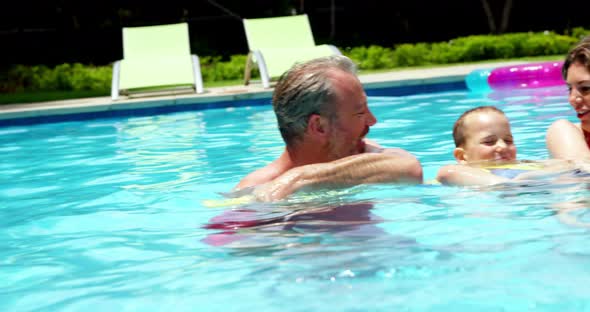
(214, 69)
(445, 52)
(78, 77)
(547, 43)
(477, 48)
(372, 57)
(580, 32)
(64, 77)
(411, 54)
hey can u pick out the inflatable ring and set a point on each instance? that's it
(523, 76)
(528, 166)
(227, 202)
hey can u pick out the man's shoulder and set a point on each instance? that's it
(260, 176)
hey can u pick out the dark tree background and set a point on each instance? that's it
(53, 32)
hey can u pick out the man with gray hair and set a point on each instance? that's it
(323, 117)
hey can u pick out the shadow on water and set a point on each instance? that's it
(345, 218)
(307, 222)
(342, 228)
(409, 231)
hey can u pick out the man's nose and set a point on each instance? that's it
(371, 120)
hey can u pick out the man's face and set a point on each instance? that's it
(488, 137)
(353, 117)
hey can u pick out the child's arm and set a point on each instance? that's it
(466, 175)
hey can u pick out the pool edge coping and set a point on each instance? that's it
(401, 78)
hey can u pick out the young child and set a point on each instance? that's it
(484, 149)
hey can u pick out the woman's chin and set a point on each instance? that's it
(585, 125)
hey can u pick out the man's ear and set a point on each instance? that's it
(317, 125)
(460, 155)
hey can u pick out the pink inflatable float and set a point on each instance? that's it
(533, 75)
(523, 76)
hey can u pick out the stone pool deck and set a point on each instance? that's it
(399, 78)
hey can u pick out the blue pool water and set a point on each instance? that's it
(126, 214)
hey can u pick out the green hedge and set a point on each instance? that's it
(78, 77)
(465, 49)
(69, 77)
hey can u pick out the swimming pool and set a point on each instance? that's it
(126, 214)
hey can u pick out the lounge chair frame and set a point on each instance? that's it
(197, 84)
(257, 56)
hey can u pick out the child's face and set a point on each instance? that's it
(488, 137)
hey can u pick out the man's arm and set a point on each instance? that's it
(348, 171)
(465, 175)
(372, 147)
(566, 141)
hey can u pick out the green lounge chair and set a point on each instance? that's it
(276, 43)
(156, 58)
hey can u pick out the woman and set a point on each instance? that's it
(566, 140)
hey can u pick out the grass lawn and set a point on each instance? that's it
(43, 96)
